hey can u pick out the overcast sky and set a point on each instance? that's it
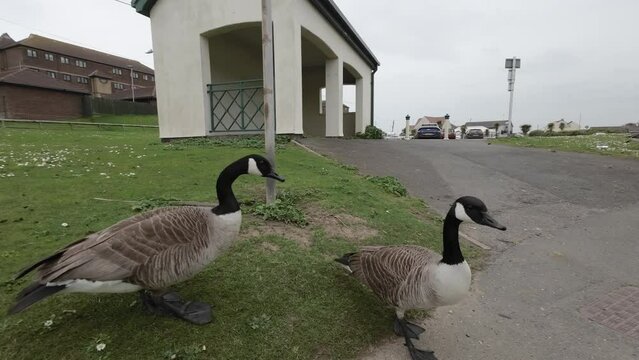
(437, 57)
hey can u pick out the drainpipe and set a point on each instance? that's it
(373, 95)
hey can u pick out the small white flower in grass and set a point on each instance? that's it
(65, 225)
(203, 347)
(100, 346)
(48, 323)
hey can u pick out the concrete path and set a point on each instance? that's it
(572, 244)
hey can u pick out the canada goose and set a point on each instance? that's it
(151, 251)
(413, 277)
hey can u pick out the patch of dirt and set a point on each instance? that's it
(346, 226)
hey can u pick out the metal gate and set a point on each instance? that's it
(237, 106)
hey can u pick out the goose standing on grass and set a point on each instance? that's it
(413, 277)
(149, 252)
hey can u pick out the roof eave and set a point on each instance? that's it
(143, 6)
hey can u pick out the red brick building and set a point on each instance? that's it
(42, 78)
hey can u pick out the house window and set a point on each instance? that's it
(118, 86)
(117, 71)
(32, 53)
(145, 77)
(152, 78)
(51, 74)
(82, 80)
(48, 56)
(80, 63)
(66, 77)
(64, 60)
(136, 75)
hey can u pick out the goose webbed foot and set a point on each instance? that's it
(407, 329)
(170, 303)
(411, 331)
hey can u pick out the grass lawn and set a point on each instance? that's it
(618, 144)
(276, 293)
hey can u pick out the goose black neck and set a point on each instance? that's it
(452, 254)
(227, 201)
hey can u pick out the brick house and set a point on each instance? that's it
(42, 78)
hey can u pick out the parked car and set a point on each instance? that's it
(474, 134)
(429, 131)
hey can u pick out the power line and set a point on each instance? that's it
(123, 2)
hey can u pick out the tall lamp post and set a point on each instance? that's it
(407, 131)
(446, 126)
(512, 65)
(132, 90)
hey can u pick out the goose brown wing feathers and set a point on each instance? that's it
(385, 268)
(123, 250)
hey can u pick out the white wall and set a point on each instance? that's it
(181, 43)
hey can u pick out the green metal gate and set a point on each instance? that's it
(237, 106)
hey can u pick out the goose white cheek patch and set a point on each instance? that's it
(252, 167)
(460, 213)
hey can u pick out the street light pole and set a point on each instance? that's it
(269, 81)
(132, 90)
(407, 131)
(512, 65)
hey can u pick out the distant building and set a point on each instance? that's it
(42, 78)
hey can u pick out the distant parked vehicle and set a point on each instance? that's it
(474, 134)
(429, 131)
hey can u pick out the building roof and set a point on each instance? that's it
(62, 48)
(326, 7)
(6, 41)
(34, 78)
(488, 124)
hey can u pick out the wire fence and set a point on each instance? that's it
(6, 122)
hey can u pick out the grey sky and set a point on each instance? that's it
(578, 56)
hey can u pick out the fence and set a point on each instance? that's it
(3, 123)
(237, 106)
(92, 105)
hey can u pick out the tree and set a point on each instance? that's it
(525, 128)
(463, 131)
(496, 129)
(551, 126)
(562, 125)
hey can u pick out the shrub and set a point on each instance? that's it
(389, 184)
(283, 209)
(371, 132)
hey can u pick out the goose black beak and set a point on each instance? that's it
(273, 175)
(489, 221)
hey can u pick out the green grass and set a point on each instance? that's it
(281, 301)
(618, 144)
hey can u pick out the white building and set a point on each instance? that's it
(568, 125)
(208, 67)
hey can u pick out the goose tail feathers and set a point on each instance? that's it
(32, 294)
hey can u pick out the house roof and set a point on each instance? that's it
(488, 124)
(66, 49)
(6, 41)
(326, 7)
(31, 77)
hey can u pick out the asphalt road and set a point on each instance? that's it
(573, 238)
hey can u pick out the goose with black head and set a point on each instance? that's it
(149, 252)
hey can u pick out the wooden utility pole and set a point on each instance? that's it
(269, 104)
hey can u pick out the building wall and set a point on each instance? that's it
(181, 44)
(312, 82)
(18, 102)
(17, 56)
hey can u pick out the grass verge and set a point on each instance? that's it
(273, 297)
(607, 144)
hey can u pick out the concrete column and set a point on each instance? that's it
(334, 98)
(287, 45)
(359, 106)
(205, 65)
